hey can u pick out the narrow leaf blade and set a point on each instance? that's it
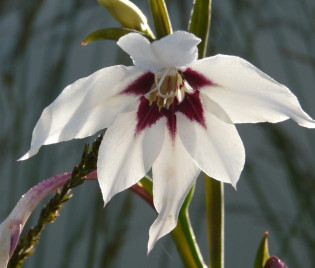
(107, 34)
(199, 23)
(262, 253)
(160, 17)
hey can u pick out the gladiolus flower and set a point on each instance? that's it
(171, 112)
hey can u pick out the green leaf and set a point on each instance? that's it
(199, 23)
(262, 253)
(160, 17)
(108, 34)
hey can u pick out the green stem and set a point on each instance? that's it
(160, 18)
(184, 237)
(215, 221)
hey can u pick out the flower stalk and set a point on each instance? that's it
(215, 221)
(184, 237)
(160, 17)
(199, 24)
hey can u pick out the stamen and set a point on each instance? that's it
(188, 88)
(163, 77)
(168, 84)
(158, 83)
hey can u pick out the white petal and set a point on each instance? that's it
(215, 109)
(84, 107)
(247, 94)
(175, 50)
(139, 49)
(217, 150)
(124, 158)
(174, 172)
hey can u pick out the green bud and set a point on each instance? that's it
(128, 15)
(262, 253)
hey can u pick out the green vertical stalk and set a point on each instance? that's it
(160, 18)
(215, 221)
(199, 24)
(184, 238)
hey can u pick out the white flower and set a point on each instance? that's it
(171, 112)
(12, 226)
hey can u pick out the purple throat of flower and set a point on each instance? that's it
(167, 92)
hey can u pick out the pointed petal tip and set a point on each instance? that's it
(83, 43)
(106, 198)
(153, 237)
(234, 186)
(24, 157)
(310, 123)
(31, 152)
(150, 247)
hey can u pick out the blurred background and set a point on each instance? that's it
(40, 54)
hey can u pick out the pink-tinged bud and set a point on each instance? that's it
(275, 262)
(12, 226)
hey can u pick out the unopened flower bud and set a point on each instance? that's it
(12, 226)
(127, 14)
(275, 262)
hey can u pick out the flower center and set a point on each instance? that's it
(167, 85)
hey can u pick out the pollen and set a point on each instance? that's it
(168, 85)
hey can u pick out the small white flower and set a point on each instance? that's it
(171, 112)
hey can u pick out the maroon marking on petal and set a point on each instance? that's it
(171, 119)
(192, 108)
(197, 80)
(147, 115)
(141, 85)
